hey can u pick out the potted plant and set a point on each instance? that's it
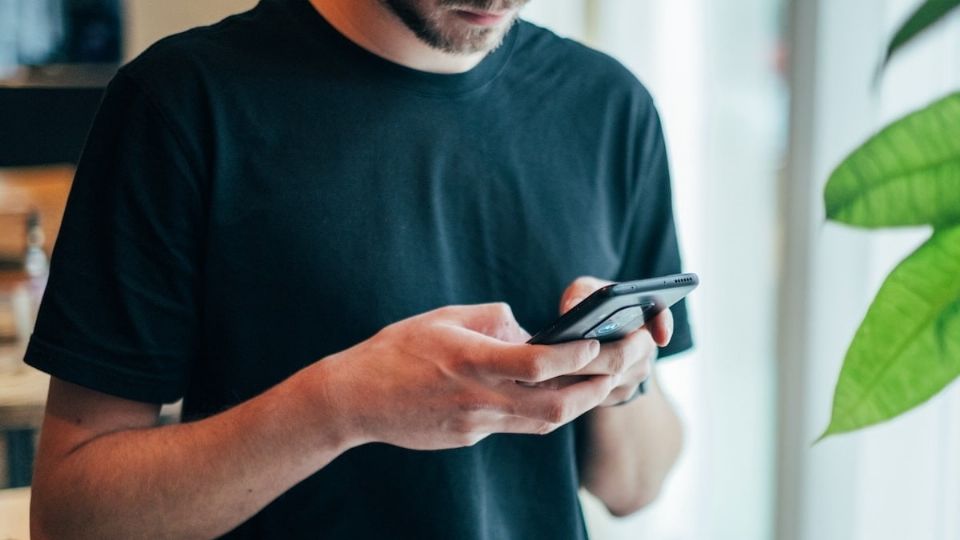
(908, 347)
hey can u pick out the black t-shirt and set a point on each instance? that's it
(258, 194)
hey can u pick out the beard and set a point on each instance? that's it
(439, 27)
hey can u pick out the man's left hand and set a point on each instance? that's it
(629, 359)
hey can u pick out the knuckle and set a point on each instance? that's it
(644, 350)
(499, 312)
(644, 370)
(412, 334)
(392, 331)
(533, 368)
(465, 435)
(502, 311)
(647, 344)
(457, 426)
(443, 312)
(579, 359)
(546, 428)
(621, 394)
(556, 412)
(462, 364)
(471, 439)
(618, 359)
(472, 404)
(460, 427)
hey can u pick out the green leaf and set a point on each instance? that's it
(908, 174)
(908, 347)
(921, 19)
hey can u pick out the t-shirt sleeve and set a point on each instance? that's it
(651, 247)
(120, 312)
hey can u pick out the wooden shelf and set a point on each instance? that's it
(43, 188)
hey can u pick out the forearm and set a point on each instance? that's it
(630, 450)
(193, 480)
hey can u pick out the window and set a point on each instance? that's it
(716, 72)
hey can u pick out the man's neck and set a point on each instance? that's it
(371, 25)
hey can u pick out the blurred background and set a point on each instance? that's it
(760, 99)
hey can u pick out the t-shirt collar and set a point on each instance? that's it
(360, 59)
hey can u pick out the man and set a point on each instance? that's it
(326, 225)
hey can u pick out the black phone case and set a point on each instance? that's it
(649, 295)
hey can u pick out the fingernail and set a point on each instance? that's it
(594, 348)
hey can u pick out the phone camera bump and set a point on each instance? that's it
(608, 328)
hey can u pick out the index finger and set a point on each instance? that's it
(559, 405)
(661, 327)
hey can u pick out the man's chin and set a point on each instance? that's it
(450, 30)
(473, 41)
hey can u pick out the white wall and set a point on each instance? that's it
(710, 66)
(712, 70)
(901, 479)
(910, 469)
(149, 20)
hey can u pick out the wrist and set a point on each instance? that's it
(327, 401)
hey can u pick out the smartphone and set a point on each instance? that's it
(616, 310)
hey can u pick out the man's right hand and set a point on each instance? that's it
(452, 376)
(444, 379)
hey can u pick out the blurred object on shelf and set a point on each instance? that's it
(35, 261)
(31, 208)
(62, 76)
(45, 32)
(22, 397)
(19, 302)
(43, 189)
(56, 57)
(8, 323)
(23, 394)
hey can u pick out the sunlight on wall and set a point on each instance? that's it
(921, 499)
(148, 20)
(900, 479)
(713, 73)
